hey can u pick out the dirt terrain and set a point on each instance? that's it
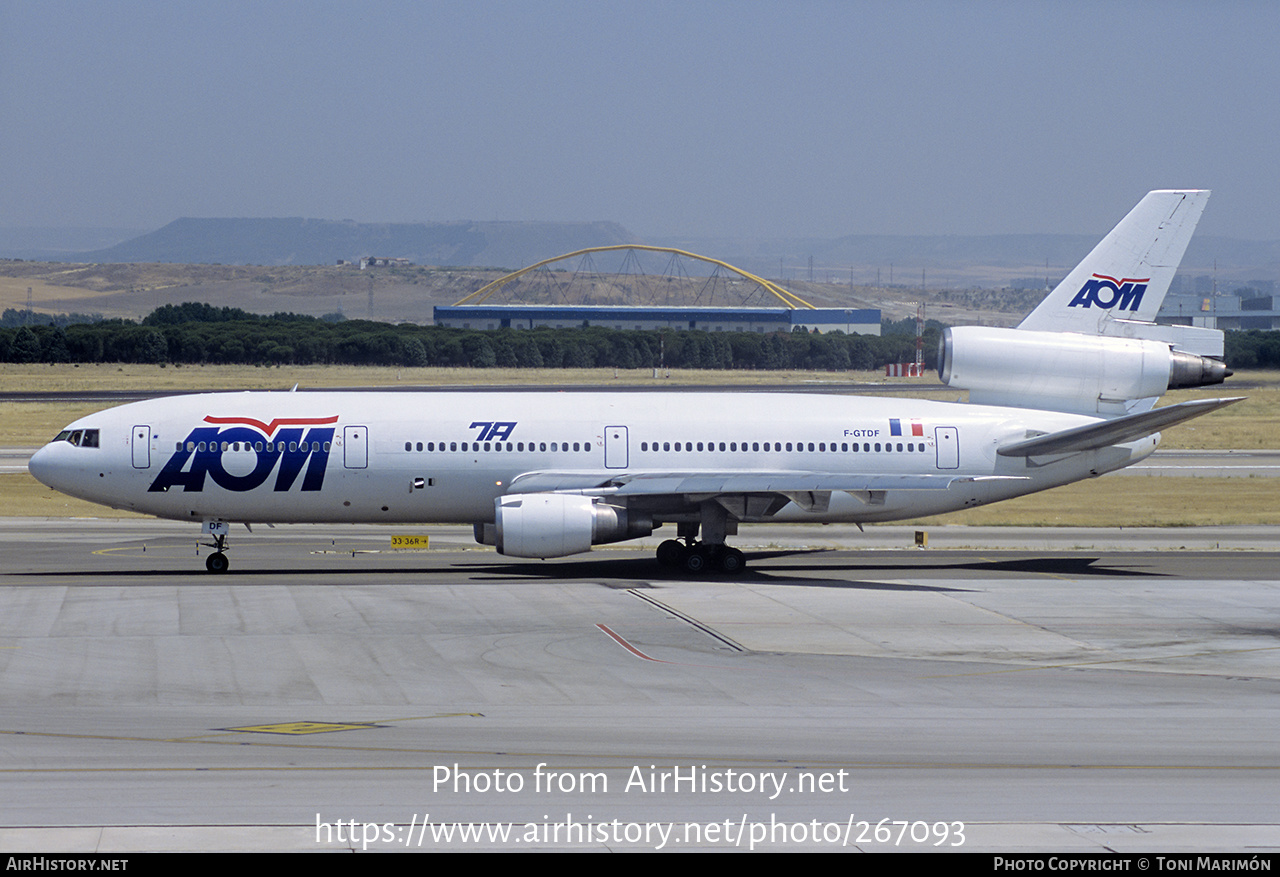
(132, 290)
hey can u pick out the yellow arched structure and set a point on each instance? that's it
(790, 299)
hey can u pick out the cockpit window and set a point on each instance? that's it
(81, 438)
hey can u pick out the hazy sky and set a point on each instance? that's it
(697, 117)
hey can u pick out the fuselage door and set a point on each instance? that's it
(615, 447)
(141, 443)
(947, 439)
(355, 447)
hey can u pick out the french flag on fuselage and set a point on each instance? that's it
(895, 427)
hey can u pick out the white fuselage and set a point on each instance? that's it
(447, 456)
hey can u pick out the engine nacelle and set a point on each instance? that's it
(1063, 371)
(555, 524)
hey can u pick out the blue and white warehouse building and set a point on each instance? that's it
(864, 321)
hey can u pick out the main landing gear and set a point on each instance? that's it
(699, 557)
(711, 553)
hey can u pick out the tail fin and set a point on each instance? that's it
(1127, 275)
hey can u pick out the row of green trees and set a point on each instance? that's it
(1254, 348)
(195, 334)
(14, 318)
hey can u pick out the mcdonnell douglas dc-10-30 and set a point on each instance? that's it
(1069, 394)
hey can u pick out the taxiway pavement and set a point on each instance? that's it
(1068, 698)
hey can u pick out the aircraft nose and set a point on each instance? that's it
(44, 467)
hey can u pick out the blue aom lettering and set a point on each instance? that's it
(1107, 292)
(201, 455)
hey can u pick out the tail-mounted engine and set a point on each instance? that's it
(1060, 371)
(555, 525)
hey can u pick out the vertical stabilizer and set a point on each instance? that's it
(1128, 274)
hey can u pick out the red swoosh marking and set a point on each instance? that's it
(1124, 280)
(270, 428)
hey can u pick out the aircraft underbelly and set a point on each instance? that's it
(396, 496)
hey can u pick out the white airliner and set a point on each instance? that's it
(1067, 395)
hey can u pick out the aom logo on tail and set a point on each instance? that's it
(1107, 292)
(216, 452)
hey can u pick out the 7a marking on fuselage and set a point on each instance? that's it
(493, 430)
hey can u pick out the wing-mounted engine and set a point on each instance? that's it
(1064, 371)
(556, 524)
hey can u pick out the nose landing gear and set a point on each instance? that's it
(218, 530)
(216, 562)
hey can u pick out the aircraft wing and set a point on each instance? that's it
(1112, 432)
(692, 483)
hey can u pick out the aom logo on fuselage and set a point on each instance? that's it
(211, 450)
(1107, 292)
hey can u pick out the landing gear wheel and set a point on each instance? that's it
(216, 562)
(697, 560)
(731, 561)
(671, 553)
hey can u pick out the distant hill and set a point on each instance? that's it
(322, 242)
(956, 261)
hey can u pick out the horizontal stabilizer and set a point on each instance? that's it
(1185, 339)
(1113, 432)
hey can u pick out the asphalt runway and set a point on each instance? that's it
(332, 693)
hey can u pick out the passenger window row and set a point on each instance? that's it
(269, 447)
(681, 447)
(516, 447)
(793, 447)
